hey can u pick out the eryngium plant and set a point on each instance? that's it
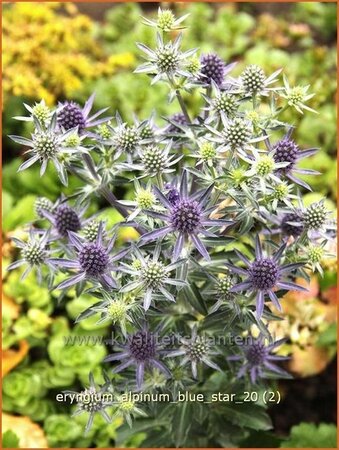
(222, 235)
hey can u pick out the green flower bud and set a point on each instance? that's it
(146, 132)
(225, 103)
(237, 133)
(46, 144)
(154, 159)
(116, 310)
(315, 254)
(253, 78)
(104, 131)
(91, 230)
(265, 165)
(166, 20)
(34, 253)
(128, 138)
(145, 199)
(315, 216)
(207, 151)
(41, 204)
(193, 65)
(280, 191)
(224, 286)
(153, 274)
(126, 406)
(296, 96)
(237, 176)
(41, 112)
(136, 264)
(73, 140)
(167, 59)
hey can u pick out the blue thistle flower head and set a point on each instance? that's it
(71, 115)
(142, 350)
(292, 224)
(93, 261)
(187, 218)
(177, 118)
(212, 69)
(287, 151)
(195, 351)
(257, 358)
(264, 275)
(172, 193)
(66, 219)
(63, 217)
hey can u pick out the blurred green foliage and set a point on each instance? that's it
(307, 435)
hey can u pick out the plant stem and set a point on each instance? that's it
(180, 99)
(90, 165)
(208, 94)
(109, 196)
(183, 106)
(160, 182)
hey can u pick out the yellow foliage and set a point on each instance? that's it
(49, 51)
(11, 358)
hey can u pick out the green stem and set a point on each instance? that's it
(208, 94)
(106, 192)
(180, 99)
(183, 106)
(159, 181)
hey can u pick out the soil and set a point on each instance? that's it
(312, 399)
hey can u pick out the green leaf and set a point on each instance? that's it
(124, 432)
(329, 336)
(181, 424)
(261, 439)
(248, 415)
(312, 436)
(10, 440)
(193, 296)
